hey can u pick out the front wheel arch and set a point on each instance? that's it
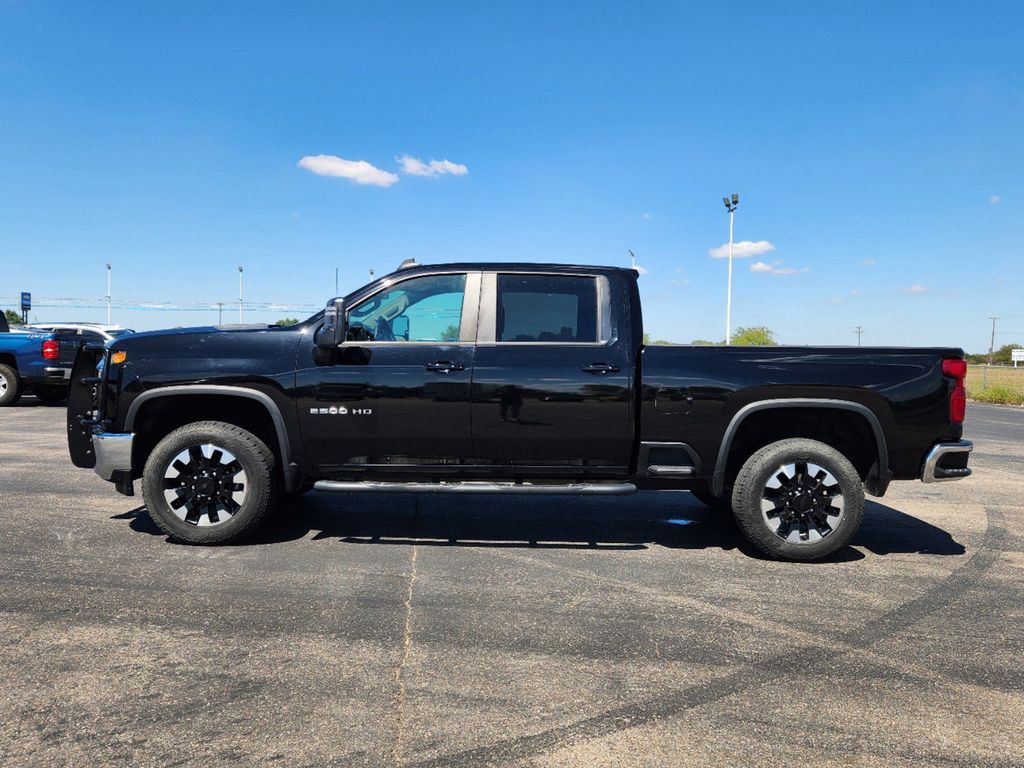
(156, 413)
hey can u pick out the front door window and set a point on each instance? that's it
(421, 309)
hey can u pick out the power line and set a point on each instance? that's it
(157, 306)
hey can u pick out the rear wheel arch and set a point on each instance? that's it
(156, 413)
(763, 422)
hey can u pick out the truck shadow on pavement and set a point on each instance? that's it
(666, 519)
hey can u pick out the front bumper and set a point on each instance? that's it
(113, 452)
(947, 461)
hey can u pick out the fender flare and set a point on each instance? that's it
(223, 389)
(882, 450)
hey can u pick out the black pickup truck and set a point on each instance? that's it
(510, 378)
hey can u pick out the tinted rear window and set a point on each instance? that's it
(550, 308)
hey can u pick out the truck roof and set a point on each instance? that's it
(512, 266)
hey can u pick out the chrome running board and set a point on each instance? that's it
(571, 489)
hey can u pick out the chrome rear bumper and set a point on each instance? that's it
(947, 461)
(113, 452)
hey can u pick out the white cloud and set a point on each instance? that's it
(356, 171)
(646, 216)
(413, 166)
(640, 269)
(855, 292)
(776, 268)
(916, 288)
(680, 281)
(869, 262)
(742, 249)
(996, 199)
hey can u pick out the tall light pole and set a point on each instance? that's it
(860, 332)
(240, 272)
(220, 313)
(108, 293)
(730, 206)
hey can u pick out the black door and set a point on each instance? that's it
(396, 394)
(551, 382)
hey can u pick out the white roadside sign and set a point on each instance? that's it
(1017, 356)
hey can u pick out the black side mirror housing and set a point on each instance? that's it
(332, 333)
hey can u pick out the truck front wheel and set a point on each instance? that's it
(798, 499)
(209, 483)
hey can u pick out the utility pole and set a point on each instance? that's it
(220, 313)
(859, 332)
(240, 271)
(335, 281)
(730, 206)
(108, 293)
(992, 342)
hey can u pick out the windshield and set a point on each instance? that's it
(119, 333)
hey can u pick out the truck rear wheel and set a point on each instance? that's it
(209, 483)
(10, 385)
(50, 393)
(798, 499)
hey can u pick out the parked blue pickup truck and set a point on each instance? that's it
(32, 360)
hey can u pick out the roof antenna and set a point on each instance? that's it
(408, 264)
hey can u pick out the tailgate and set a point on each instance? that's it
(70, 342)
(83, 405)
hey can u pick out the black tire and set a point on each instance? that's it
(704, 495)
(810, 516)
(253, 498)
(50, 393)
(10, 385)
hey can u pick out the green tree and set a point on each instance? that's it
(648, 341)
(705, 343)
(1003, 355)
(13, 318)
(451, 333)
(286, 321)
(754, 336)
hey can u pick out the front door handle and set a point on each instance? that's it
(444, 366)
(601, 368)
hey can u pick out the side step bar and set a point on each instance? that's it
(571, 489)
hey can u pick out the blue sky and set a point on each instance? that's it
(875, 147)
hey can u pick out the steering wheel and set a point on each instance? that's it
(384, 331)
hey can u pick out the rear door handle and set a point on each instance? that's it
(601, 368)
(444, 366)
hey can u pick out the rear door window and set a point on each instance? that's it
(546, 308)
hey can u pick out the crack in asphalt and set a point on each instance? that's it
(751, 675)
(396, 750)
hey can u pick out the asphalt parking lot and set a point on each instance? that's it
(455, 631)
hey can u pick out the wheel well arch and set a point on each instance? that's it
(7, 358)
(851, 428)
(155, 414)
